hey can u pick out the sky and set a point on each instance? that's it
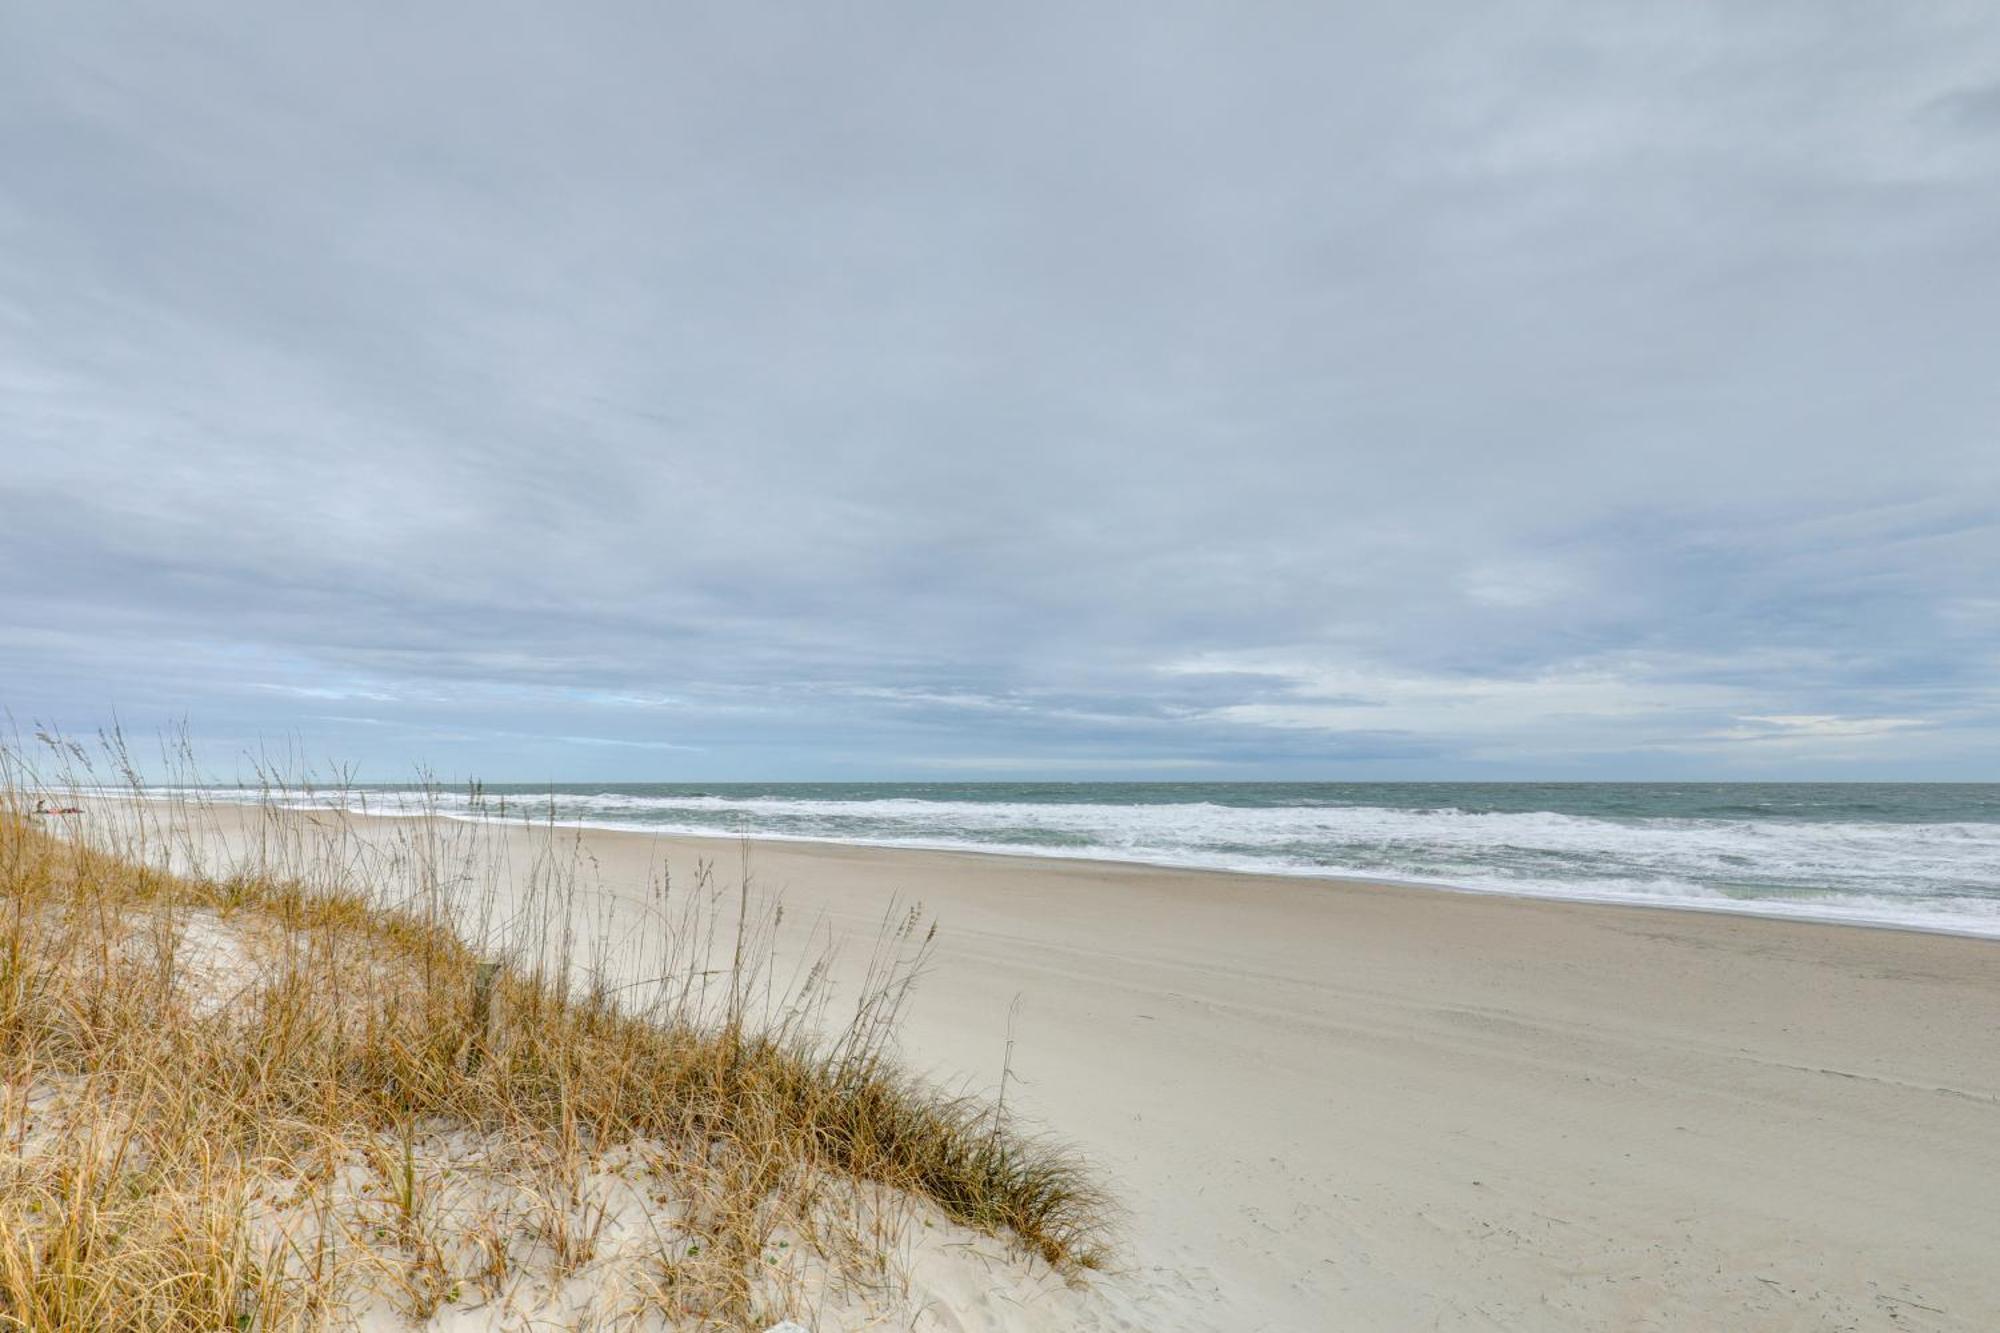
(634, 391)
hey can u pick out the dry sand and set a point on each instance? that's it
(1330, 1105)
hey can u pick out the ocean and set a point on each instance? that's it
(1917, 855)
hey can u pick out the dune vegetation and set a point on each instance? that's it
(284, 1088)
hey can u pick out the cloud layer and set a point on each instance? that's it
(1176, 391)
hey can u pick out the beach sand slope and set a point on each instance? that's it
(1335, 1105)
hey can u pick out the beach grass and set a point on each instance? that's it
(289, 1089)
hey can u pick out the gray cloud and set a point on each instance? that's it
(1254, 390)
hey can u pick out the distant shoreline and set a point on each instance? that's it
(1751, 907)
(1756, 909)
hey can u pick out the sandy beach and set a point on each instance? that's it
(1325, 1104)
(971, 669)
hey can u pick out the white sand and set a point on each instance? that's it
(1330, 1105)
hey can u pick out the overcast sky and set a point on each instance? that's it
(944, 391)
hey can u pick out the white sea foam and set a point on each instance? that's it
(1941, 876)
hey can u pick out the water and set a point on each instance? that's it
(1906, 854)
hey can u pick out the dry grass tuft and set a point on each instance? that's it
(287, 1095)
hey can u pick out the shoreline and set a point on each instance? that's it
(1750, 909)
(1320, 877)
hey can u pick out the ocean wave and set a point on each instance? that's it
(1943, 875)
